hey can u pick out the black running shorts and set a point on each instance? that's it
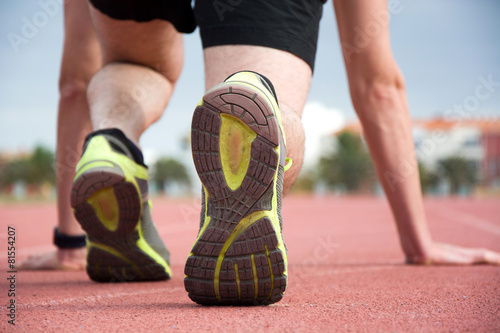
(178, 12)
(289, 25)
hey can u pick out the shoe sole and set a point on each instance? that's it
(108, 207)
(236, 259)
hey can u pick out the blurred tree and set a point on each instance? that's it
(36, 169)
(168, 170)
(428, 178)
(14, 171)
(41, 167)
(305, 182)
(349, 164)
(459, 172)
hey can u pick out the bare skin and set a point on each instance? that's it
(379, 98)
(142, 62)
(80, 61)
(291, 81)
(61, 259)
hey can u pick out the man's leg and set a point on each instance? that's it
(142, 62)
(258, 55)
(379, 97)
(291, 77)
(239, 256)
(81, 59)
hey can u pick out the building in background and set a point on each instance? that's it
(477, 141)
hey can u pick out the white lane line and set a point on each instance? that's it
(303, 272)
(96, 298)
(467, 219)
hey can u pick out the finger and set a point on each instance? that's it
(46, 261)
(491, 257)
(478, 256)
(29, 263)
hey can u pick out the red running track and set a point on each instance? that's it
(346, 273)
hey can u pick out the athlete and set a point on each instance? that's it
(246, 132)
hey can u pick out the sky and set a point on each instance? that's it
(444, 48)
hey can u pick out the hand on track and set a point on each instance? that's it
(447, 254)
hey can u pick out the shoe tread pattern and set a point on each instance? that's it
(102, 266)
(252, 269)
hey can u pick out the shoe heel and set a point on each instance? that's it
(108, 196)
(236, 259)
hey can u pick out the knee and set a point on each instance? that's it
(72, 89)
(171, 75)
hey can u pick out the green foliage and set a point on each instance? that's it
(168, 170)
(349, 165)
(428, 178)
(13, 171)
(305, 182)
(36, 169)
(42, 164)
(459, 172)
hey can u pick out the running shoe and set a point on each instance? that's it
(110, 200)
(238, 147)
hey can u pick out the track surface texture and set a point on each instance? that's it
(346, 273)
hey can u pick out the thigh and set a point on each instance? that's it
(290, 75)
(155, 44)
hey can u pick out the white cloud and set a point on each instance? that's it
(320, 122)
